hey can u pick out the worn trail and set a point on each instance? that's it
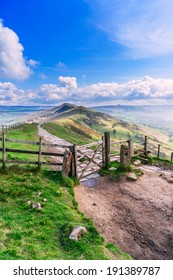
(136, 216)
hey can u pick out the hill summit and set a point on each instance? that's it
(82, 125)
(57, 110)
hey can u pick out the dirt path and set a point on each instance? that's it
(51, 138)
(136, 216)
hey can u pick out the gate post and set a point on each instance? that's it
(146, 146)
(130, 146)
(66, 165)
(107, 148)
(158, 152)
(103, 151)
(124, 156)
(73, 169)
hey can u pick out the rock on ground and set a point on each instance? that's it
(77, 232)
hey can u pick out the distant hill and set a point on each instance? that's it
(159, 117)
(82, 125)
(45, 115)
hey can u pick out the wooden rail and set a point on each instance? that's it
(35, 143)
(91, 144)
(33, 152)
(5, 128)
(39, 152)
(118, 142)
(32, 162)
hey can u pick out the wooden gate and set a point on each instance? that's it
(90, 159)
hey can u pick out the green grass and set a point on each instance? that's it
(28, 233)
(159, 161)
(120, 172)
(116, 251)
(67, 133)
(28, 132)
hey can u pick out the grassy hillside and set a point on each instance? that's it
(159, 117)
(82, 125)
(28, 233)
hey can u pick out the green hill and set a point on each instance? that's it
(81, 125)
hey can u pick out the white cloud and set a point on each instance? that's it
(9, 94)
(145, 27)
(133, 90)
(12, 62)
(142, 91)
(32, 62)
(68, 82)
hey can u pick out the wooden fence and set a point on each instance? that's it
(5, 128)
(40, 153)
(79, 161)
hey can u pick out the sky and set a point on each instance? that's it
(86, 52)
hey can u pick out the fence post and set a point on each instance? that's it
(130, 146)
(171, 156)
(3, 150)
(103, 151)
(107, 148)
(66, 163)
(40, 153)
(158, 152)
(74, 169)
(146, 146)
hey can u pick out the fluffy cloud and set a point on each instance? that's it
(68, 82)
(145, 27)
(33, 63)
(9, 94)
(12, 62)
(135, 89)
(142, 91)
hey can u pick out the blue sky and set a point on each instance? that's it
(86, 51)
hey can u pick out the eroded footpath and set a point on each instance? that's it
(135, 216)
